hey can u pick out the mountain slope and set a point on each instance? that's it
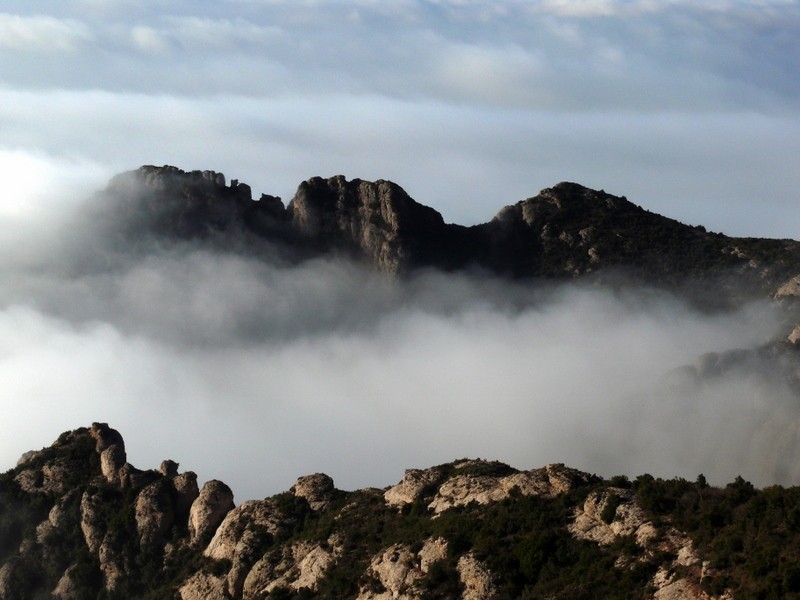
(78, 521)
(564, 231)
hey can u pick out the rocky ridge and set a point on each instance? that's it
(71, 527)
(564, 231)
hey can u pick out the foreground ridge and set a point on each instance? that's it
(78, 521)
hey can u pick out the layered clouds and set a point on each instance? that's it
(256, 373)
(690, 108)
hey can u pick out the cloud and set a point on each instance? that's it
(42, 34)
(256, 372)
(688, 109)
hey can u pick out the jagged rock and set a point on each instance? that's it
(112, 459)
(59, 518)
(476, 579)
(302, 565)
(243, 536)
(789, 289)
(67, 588)
(397, 571)
(112, 562)
(92, 523)
(549, 481)
(168, 468)
(378, 218)
(154, 513)
(28, 456)
(185, 491)
(628, 519)
(105, 437)
(133, 478)
(213, 502)
(414, 485)
(317, 489)
(794, 336)
(202, 586)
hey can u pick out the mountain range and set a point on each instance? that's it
(78, 521)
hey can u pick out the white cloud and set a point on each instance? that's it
(42, 33)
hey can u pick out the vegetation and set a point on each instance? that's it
(749, 539)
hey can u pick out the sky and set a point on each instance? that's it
(230, 367)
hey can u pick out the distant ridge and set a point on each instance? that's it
(564, 231)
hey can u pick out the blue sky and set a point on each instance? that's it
(687, 108)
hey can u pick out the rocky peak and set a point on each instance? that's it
(317, 489)
(376, 218)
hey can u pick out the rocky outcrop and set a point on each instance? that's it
(462, 490)
(317, 489)
(155, 514)
(203, 586)
(377, 218)
(613, 513)
(243, 537)
(397, 571)
(476, 579)
(301, 565)
(471, 529)
(567, 230)
(416, 483)
(214, 501)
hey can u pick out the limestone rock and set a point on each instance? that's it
(112, 459)
(202, 586)
(476, 578)
(154, 514)
(168, 468)
(378, 218)
(28, 456)
(397, 571)
(789, 289)
(185, 492)
(112, 562)
(301, 565)
(105, 437)
(414, 485)
(549, 481)
(67, 588)
(317, 489)
(208, 510)
(243, 536)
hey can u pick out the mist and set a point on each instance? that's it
(256, 371)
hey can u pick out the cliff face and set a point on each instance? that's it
(471, 529)
(564, 231)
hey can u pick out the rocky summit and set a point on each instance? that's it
(565, 231)
(78, 521)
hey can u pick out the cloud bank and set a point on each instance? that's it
(256, 372)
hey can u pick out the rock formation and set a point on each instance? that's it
(470, 529)
(564, 231)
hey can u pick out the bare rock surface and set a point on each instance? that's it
(317, 489)
(208, 510)
(476, 579)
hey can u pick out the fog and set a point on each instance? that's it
(255, 372)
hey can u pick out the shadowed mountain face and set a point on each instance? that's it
(563, 232)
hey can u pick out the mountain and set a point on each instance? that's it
(564, 231)
(78, 521)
